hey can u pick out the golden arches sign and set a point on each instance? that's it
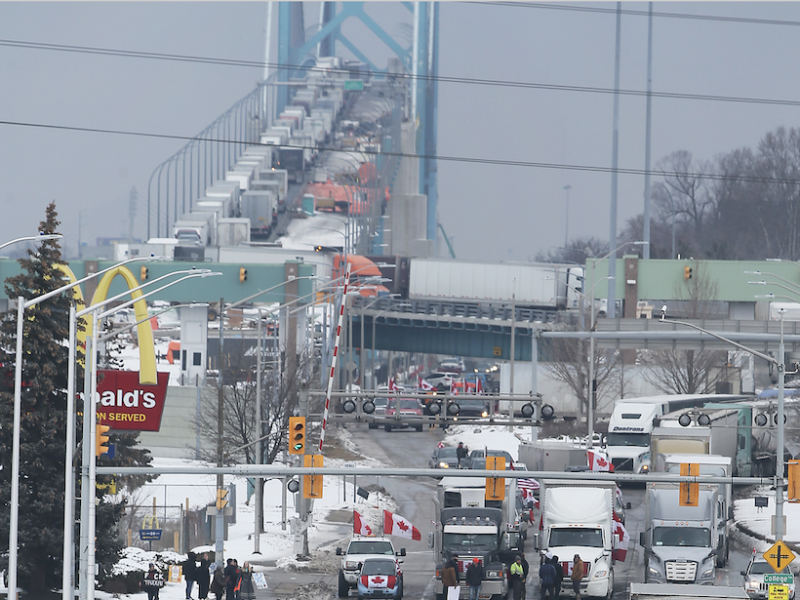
(147, 353)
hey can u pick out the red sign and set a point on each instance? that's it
(125, 404)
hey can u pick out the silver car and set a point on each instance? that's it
(753, 582)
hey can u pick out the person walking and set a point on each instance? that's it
(577, 574)
(547, 578)
(475, 576)
(517, 577)
(559, 575)
(526, 568)
(190, 573)
(450, 578)
(153, 581)
(203, 577)
(461, 452)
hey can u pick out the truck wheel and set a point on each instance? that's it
(344, 587)
(387, 427)
(610, 585)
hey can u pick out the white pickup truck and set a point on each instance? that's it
(359, 548)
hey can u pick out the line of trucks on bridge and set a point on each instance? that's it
(725, 435)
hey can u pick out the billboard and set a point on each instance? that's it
(124, 404)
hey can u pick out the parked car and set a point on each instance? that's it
(440, 380)
(753, 575)
(380, 578)
(407, 407)
(481, 453)
(443, 458)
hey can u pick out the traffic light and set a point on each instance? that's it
(495, 486)
(297, 435)
(312, 484)
(143, 273)
(242, 274)
(793, 489)
(222, 498)
(690, 492)
(100, 439)
(687, 272)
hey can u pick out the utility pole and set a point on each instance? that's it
(646, 223)
(612, 236)
(219, 530)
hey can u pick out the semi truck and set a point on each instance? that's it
(678, 541)
(719, 466)
(470, 533)
(545, 455)
(633, 420)
(578, 518)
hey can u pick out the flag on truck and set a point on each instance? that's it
(393, 386)
(527, 487)
(398, 526)
(621, 540)
(598, 461)
(360, 526)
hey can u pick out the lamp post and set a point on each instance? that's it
(22, 304)
(90, 409)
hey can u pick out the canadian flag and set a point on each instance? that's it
(598, 461)
(424, 385)
(440, 445)
(621, 540)
(393, 386)
(478, 386)
(360, 526)
(398, 526)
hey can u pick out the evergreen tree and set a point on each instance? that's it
(43, 424)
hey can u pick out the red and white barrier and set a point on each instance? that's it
(334, 359)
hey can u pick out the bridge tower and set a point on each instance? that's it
(421, 62)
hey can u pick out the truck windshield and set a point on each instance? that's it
(629, 439)
(473, 541)
(587, 538)
(370, 547)
(682, 536)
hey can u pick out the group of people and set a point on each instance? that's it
(231, 583)
(551, 576)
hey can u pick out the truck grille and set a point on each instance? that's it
(622, 464)
(681, 571)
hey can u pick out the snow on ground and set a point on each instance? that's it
(276, 545)
(759, 520)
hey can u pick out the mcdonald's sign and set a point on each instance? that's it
(126, 404)
(147, 352)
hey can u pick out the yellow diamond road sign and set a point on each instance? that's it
(778, 556)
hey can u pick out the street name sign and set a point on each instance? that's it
(781, 578)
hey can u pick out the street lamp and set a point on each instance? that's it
(22, 304)
(89, 431)
(28, 238)
(779, 365)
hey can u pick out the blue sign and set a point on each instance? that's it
(150, 535)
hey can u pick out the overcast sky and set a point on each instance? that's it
(492, 212)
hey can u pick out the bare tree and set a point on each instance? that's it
(688, 371)
(575, 252)
(570, 365)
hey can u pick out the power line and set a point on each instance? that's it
(406, 76)
(644, 13)
(439, 157)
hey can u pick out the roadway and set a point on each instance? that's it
(414, 498)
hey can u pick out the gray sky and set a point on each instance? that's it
(493, 212)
